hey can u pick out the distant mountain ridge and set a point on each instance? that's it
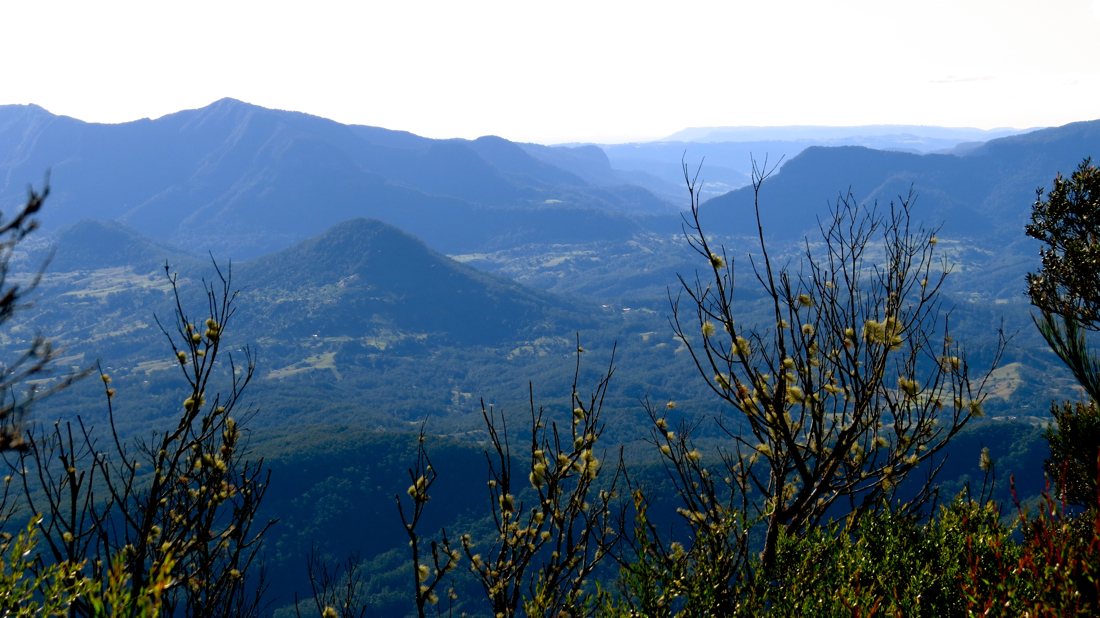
(984, 193)
(814, 132)
(726, 152)
(245, 180)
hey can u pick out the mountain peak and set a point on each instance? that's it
(93, 245)
(22, 113)
(362, 276)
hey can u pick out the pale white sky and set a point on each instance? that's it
(563, 70)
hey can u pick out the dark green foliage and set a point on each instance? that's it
(1068, 224)
(1074, 461)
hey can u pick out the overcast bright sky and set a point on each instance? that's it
(563, 70)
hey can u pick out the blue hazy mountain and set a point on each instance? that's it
(244, 181)
(89, 245)
(984, 192)
(922, 137)
(726, 152)
(247, 180)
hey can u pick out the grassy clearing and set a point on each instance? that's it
(326, 360)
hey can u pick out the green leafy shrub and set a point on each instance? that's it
(26, 591)
(29, 590)
(890, 565)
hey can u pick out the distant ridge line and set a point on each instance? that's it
(820, 132)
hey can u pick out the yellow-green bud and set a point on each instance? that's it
(976, 409)
(986, 462)
(795, 395)
(743, 346)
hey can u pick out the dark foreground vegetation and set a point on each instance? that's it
(813, 489)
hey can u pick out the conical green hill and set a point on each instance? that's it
(362, 277)
(92, 245)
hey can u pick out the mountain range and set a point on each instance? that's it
(921, 137)
(340, 236)
(247, 180)
(983, 193)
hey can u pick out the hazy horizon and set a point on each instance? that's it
(738, 133)
(573, 71)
